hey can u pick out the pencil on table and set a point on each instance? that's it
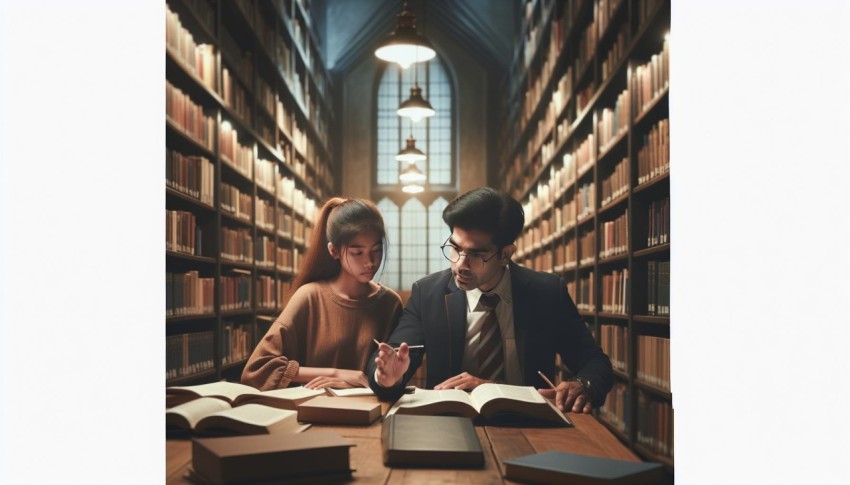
(546, 379)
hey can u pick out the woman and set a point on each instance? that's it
(324, 336)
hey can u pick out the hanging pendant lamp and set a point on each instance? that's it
(415, 107)
(412, 189)
(410, 153)
(405, 46)
(412, 175)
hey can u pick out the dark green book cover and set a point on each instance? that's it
(430, 441)
(562, 467)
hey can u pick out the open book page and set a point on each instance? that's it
(294, 394)
(249, 418)
(487, 392)
(223, 390)
(493, 399)
(188, 414)
(428, 401)
(354, 391)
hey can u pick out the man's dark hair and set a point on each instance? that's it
(487, 210)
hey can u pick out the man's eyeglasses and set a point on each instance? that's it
(474, 257)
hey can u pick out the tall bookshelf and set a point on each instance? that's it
(585, 148)
(248, 117)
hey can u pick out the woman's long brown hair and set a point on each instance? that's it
(340, 221)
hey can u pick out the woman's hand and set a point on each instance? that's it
(341, 379)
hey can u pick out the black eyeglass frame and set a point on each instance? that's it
(464, 253)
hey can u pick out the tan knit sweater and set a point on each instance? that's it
(319, 328)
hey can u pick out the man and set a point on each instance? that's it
(488, 319)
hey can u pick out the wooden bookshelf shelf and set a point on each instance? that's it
(237, 313)
(186, 318)
(654, 389)
(185, 380)
(621, 374)
(619, 258)
(615, 316)
(190, 257)
(654, 250)
(628, 44)
(653, 320)
(173, 129)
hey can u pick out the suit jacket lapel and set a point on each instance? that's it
(456, 316)
(522, 309)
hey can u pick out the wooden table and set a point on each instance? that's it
(588, 437)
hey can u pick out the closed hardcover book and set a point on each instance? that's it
(430, 441)
(558, 467)
(240, 459)
(339, 410)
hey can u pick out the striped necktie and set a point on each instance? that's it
(491, 361)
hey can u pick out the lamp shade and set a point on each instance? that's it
(412, 175)
(415, 107)
(405, 46)
(412, 189)
(410, 153)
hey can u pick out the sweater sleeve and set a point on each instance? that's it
(274, 364)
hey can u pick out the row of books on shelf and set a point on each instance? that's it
(583, 292)
(188, 354)
(237, 342)
(614, 340)
(182, 234)
(188, 294)
(654, 418)
(199, 59)
(650, 80)
(615, 236)
(235, 292)
(615, 292)
(265, 291)
(190, 175)
(613, 122)
(189, 117)
(237, 245)
(658, 288)
(615, 409)
(654, 155)
(659, 223)
(655, 424)
(653, 361)
(235, 202)
(615, 184)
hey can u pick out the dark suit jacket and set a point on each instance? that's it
(546, 322)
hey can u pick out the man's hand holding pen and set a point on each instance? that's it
(391, 363)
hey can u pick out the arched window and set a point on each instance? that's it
(415, 226)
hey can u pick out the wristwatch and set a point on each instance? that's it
(586, 385)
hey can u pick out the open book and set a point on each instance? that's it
(486, 400)
(212, 416)
(237, 394)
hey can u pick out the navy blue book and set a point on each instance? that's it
(561, 467)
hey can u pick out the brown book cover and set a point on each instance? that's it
(431, 441)
(315, 454)
(339, 410)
